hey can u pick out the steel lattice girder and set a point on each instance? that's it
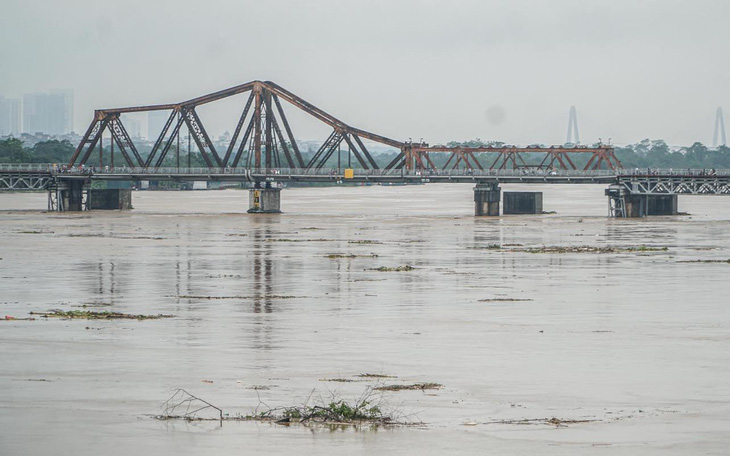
(24, 182)
(268, 138)
(676, 185)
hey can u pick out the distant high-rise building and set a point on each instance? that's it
(156, 121)
(50, 113)
(719, 129)
(133, 127)
(9, 116)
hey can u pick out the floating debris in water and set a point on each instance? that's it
(590, 249)
(505, 300)
(90, 315)
(411, 387)
(403, 268)
(376, 376)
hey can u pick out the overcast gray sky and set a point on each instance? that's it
(441, 70)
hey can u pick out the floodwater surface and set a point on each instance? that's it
(631, 340)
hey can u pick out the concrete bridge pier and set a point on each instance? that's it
(264, 198)
(522, 203)
(67, 195)
(623, 203)
(110, 199)
(644, 205)
(486, 199)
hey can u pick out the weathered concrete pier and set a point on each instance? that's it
(486, 199)
(522, 203)
(264, 198)
(642, 196)
(110, 199)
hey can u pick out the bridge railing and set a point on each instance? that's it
(336, 173)
(691, 172)
(26, 167)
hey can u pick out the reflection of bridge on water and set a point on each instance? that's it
(263, 151)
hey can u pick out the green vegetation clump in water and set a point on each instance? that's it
(403, 268)
(236, 297)
(366, 410)
(487, 247)
(705, 261)
(298, 240)
(362, 411)
(590, 249)
(411, 387)
(504, 300)
(91, 315)
(336, 256)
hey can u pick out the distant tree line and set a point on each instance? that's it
(644, 154)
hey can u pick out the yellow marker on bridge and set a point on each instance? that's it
(349, 173)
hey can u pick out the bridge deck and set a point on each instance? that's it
(642, 181)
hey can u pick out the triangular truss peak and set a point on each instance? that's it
(510, 157)
(263, 139)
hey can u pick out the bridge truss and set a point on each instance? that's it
(25, 181)
(690, 184)
(264, 139)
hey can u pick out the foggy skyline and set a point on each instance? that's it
(496, 70)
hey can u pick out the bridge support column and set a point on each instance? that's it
(67, 195)
(663, 205)
(644, 205)
(522, 203)
(264, 199)
(486, 199)
(623, 203)
(110, 199)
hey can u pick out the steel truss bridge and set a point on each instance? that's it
(264, 139)
(263, 150)
(639, 182)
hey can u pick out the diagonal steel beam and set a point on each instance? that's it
(365, 152)
(354, 150)
(326, 150)
(90, 133)
(201, 138)
(292, 141)
(95, 139)
(282, 143)
(327, 118)
(116, 138)
(170, 140)
(257, 126)
(160, 139)
(127, 139)
(400, 158)
(234, 138)
(268, 136)
(242, 146)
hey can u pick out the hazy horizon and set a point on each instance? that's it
(496, 70)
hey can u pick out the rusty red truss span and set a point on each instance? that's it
(264, 139)
(510, 157)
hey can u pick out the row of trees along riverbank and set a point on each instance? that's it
(644, 154)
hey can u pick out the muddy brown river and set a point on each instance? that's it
(615, 340)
